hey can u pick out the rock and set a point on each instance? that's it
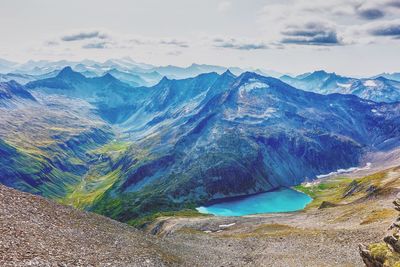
(367, 257)
(397, 202)
(393, 242)
(351, 188)
(157, 229)
(327, 204)
(386, 253)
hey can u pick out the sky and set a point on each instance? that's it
(349, 37)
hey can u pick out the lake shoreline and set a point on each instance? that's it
(279, 200)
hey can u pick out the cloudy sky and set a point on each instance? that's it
(353, 37)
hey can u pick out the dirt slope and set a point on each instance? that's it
(38, 232)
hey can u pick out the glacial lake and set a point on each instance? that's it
(282, 200)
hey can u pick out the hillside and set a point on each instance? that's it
(238, 136)
(37, 232)
(345, 212)
(386, 253)
(130, 152)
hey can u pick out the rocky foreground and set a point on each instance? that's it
(38, 232)
(386, 253)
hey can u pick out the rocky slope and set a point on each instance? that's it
(37, 232)
(386, 253)
(322, 235)
(13, 94)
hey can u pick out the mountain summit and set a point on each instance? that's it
(68, 74)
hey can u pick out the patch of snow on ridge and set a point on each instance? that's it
(341, 171)
(344, 85)
(370, 83)
(226, 225)
(253, 84)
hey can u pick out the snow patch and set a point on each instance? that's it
(341, 171)
(344, 85)
(226, 225)
(253, 84)
(310, 184)
(370, 83)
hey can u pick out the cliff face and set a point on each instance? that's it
(386, 253)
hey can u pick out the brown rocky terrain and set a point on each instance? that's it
(360, 212)
(38, 232)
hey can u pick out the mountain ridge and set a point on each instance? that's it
(379, 88)
(184, 142)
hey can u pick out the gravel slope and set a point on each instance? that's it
(38, 232)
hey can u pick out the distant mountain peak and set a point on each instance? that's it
(67, 73)
(164, 79)
(382, 78)
(108, 77)
(12, 83)
(228, 73)
(320, 72)
(66, 70)
(249, 75)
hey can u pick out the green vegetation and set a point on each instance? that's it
(112, 149)
(35, 172)
(91, 188)
(329, 191)
(382, 253)
(339, 190)
(99, 178)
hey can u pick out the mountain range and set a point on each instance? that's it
(382, 88)
(104, 145)
(125, 69)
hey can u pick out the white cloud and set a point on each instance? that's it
(239, 44)
(346, 20)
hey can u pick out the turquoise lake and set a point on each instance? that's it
(283, 200)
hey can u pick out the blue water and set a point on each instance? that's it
(282, 200)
